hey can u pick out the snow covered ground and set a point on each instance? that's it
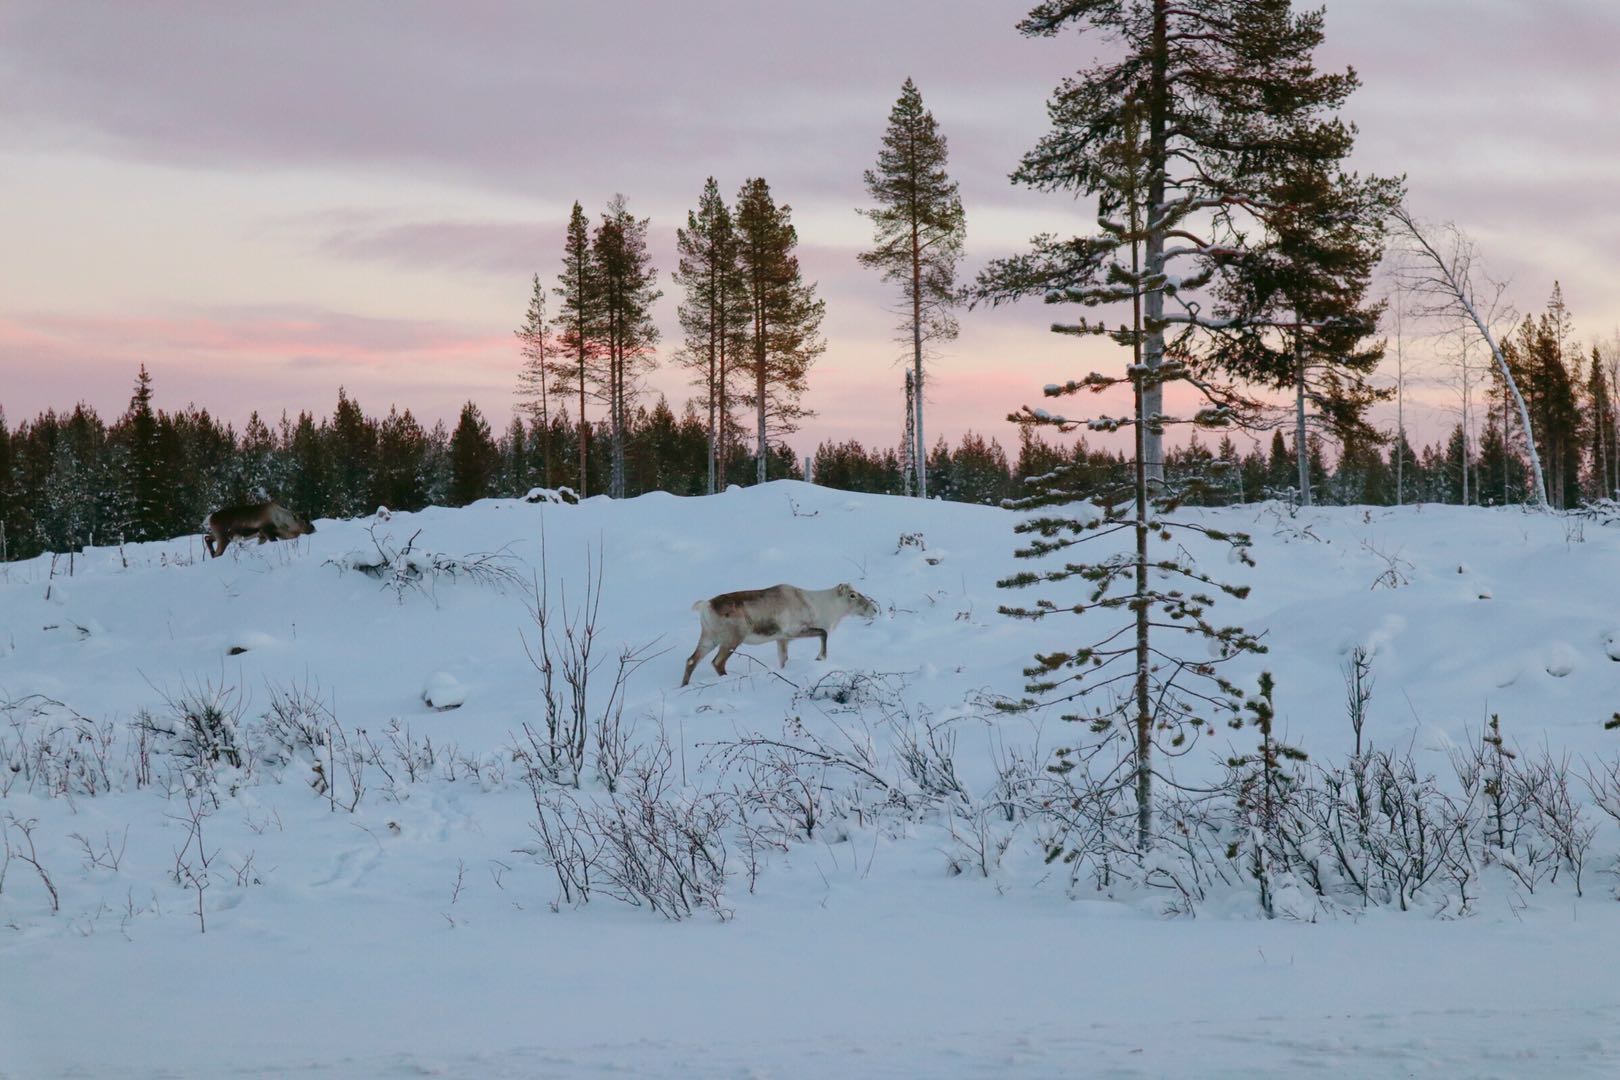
(414, 935)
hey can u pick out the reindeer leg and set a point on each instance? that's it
(822, 634)
(720, 658)
(703, 646)
(781, 652)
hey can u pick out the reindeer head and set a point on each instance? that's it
(859, 603)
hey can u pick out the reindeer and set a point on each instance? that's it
(266, 520)
(780, 613)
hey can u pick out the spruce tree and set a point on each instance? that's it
(784, 332)
(473, 458)
(398, 482)
(145, 480)
(919, 231)
(352, 446)
(625, 283)
(714, 314)
(579, 328)
(306, 452)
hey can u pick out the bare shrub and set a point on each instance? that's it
(295, 724)
(51, 749)
(192, 858)
(564, 652)
(404, 570)
(201, 724)
(24, 852)
(645, 843)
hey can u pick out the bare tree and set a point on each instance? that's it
(1443, 276)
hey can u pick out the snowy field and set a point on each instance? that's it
(391, 913)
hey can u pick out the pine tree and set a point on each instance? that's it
(784, 334)
(579, 328)
(473, 458)
(1180, 135)
(542, 369)
(1599, 430)
(919, 231)
(625, 281)
(1309, 279)
(714, 314)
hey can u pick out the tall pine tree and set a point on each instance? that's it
(714, 315)
(784, 332)
(625, 282)
(919, 230)
(579, 328)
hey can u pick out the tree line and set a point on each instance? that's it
(70, 479)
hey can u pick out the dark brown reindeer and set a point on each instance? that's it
(266, 520)
(780, 613)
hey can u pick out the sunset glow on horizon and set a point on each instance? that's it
(263, 204)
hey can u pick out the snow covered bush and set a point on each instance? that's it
(404, 569)
(200, 725)
(47, 748)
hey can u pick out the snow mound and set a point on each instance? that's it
(1611, 644)
(1561, 659)
(444, 692)
(247, 640)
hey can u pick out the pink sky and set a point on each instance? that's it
(263, 202)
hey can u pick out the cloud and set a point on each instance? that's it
(478, 124)
(499, 248)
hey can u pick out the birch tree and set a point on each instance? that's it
(539, 371)
(919, 231)
(1442, 274)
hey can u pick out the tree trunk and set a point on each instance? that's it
(714, 335)
(1400, 408)
(1151, 442)
(1456, 291)
(759, 385)
(917, 356)
(584, 427)
(1144, 653)
(1301, 450)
